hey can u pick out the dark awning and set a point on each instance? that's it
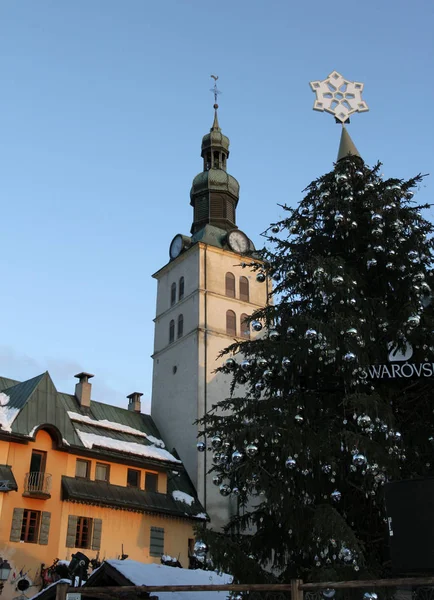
(106, 494)
(7, 479)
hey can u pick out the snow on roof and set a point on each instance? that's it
(141, 574)
(91, 439)
(115, 426)
(200, 516)
(7, 413)
(182, 497)
(50, 586)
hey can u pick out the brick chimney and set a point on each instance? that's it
(134, 403)
(83, 389)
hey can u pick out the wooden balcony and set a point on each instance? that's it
(37, 485)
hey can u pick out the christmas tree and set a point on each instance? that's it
(323, 411)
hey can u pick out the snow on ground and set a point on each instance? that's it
(115, 426)
(141, 574)
(182, 497)
(7, 414)
(91, 439)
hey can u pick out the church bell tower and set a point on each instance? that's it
(203, 298)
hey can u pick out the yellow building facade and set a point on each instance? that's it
(81, 476)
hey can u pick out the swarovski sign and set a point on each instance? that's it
(399, 366)
(4, 485)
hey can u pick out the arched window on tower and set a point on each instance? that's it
(173, 294)
(181, 288)
(244, 289)
(216, 160)
(180, 326)
(231, 323)
(244, 327)
(230, 285)
(171, 331)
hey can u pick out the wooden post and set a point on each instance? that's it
(296, 592)
(61, 590)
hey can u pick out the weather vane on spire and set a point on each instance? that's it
(339, 97)
(215, 91)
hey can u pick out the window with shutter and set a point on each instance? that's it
(45, 528)
(156, 544)
(97, 533)
(83, 532)
(71, 531)
(244, 289)
(30, 526)
(17, 521)
(173, 294)
(230, 285)
(231, 323)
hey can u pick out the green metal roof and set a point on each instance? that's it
(106, 494)
(21, 392)
(39, 403)
(6, 383)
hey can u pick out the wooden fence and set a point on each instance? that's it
(295, 589)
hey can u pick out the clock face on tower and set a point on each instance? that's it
(238, 241)
(176, 246)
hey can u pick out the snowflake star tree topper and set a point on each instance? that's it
(338, 96)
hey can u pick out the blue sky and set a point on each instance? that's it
(103, 106)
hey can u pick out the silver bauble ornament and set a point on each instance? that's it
(336, 496)
(310, 334)
(290, 330)
(351, 332)
(286, 363)
(413, 321)
(349, 357)
(273, 335)
(337, 280)
(329, 593)
(299, 419)
(268, 374)
(216, 442)
(364, 421)
(225, 490)
(251, 450)
(237, 456)
(262, 363)
(340, 177)
(217, 479)
(290, 463)
(201, 446)
(326, 468)
(419, 276)
(235, 491)
(256, 325)
(359, 460)
(377, 232)
(200, 548)
(275, 229)
(246, 365)
(339, 218)
(376, 218)
(259, 386)
(260, 277)
(369, 186)
(372, 262)
(230, 363)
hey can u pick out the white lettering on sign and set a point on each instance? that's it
(4, 485)
(400, 370)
